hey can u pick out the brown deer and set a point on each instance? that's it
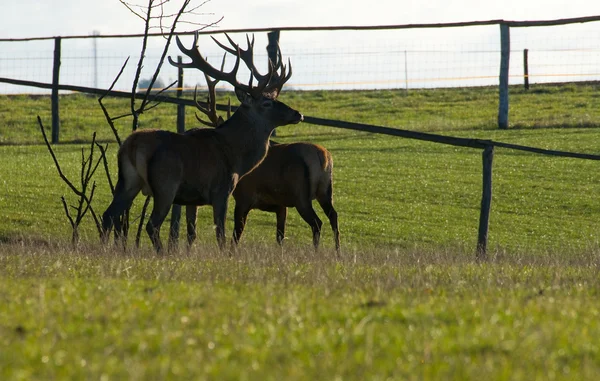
(292, 175)
(203, 166)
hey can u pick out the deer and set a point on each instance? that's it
(204, 165)
(291, 175)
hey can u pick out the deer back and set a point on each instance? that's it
(287, 170)
(190, 163)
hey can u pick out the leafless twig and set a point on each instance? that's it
(87, 173)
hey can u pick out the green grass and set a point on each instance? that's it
(405, 300)
(266, 315)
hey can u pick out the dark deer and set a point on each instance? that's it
(292, 175)
(203, 166)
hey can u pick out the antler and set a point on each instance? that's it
(266, 84)
(211, 102)
(280, 79)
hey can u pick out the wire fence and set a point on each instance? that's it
(365, 59)
(333, 59)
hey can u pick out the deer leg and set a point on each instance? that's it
(219, 215)
(191, 212)
(158, 215)
(122, 200)
(240, 215)
(281, 213)
(332, 215)
(308, 214)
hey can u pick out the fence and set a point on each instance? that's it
(397, 56)
(402, 56)
(486, 145)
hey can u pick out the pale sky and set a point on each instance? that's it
(48, 18)
(33, 18)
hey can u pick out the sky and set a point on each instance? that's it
(35, 18)
(309, 51)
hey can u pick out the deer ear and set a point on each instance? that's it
(244, 98)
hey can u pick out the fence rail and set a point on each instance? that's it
(510, 23)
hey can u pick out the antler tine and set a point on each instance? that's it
(206, 111)
(223, 61)
(289, 75)
(280, 79)
(186, 51)
(248, 57)
(211, 101)
(227, 48)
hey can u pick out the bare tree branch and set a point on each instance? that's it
(64, 202)
(106, 169)
(164, 53)
(105, 111)
(142, 218)
(60, 172)
(85, 202)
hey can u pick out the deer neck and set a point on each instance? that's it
(248, 141)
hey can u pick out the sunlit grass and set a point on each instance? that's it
(296, 314)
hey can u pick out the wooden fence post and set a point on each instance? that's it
(180, 107)
(504, 67)
(54, 97)
(486, 202)
(273, 45)
(272, 49)
(176, 209)
(526, 68)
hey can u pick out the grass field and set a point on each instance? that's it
(406, 300)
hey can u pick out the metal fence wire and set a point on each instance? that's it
(395, 57)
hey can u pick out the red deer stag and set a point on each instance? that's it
(292, 175)
(203, 166)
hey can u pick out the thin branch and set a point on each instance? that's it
(64, 202)
(105, 162)
(83, 197)
(138, 71)
(105, 111)
(164, 54)
(121, 117)
(157, 94)
(94, 216)
(142, 218)
(209, 25)
(88, 206)
(130, 7)
(60, 172)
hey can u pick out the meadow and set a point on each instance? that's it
(405, 300)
